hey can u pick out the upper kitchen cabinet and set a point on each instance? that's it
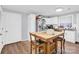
(66, 21)
(53, 20)
(43, 22)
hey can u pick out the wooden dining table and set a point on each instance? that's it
(46, 37)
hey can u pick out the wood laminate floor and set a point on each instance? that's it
(23, 47)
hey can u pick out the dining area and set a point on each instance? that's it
(47, 39)
(47, 43)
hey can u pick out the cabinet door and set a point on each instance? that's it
(11, 27)
(70, 36)
(65, 21)
(53, 20)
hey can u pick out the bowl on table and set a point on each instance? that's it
(50, 31)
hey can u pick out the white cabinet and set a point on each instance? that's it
(66, 20)
(70, 36)
(53, 20)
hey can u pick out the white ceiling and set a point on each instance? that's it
(42, 9)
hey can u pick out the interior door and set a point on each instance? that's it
(11, 27)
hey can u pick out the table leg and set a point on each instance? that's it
(35, 46)
(56, 45)
(30, 44)
(48, 48)
(39, 48)
(63, 43)
(31, 47)
(61, 46)
(45, 47)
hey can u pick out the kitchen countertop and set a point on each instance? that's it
(70, 29)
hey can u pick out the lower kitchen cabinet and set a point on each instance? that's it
(70, 36)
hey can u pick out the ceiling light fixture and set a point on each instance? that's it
(59, 9)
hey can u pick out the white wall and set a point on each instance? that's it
(1, 9)
(24, 26)
(31, 24)
(28, 25)
(1, 45)
(77, 27)
(0, 14)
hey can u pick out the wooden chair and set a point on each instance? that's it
(62, 41)
(52, 46)
(38, 47)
